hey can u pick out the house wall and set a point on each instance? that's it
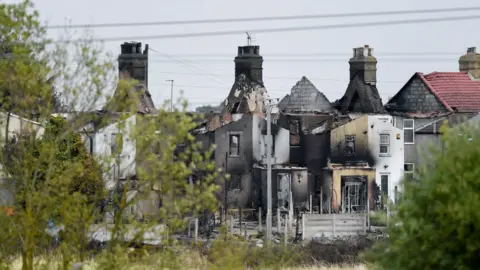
(16, 125)
(425, 142)
(236, 165)
(390, 164)
(300, 186)
(358, 128)
(126, 160)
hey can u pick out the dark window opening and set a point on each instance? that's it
(234, 145)
(235, 182)
(294, 127)
(294, 140)
(349, 145)
(116, 143)
(409, 170)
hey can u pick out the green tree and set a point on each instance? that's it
(437, 223)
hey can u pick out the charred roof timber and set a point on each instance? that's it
(364, 64)
(133, 62)
(249, 62)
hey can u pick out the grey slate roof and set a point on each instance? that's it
(360, 97)
(305, 97)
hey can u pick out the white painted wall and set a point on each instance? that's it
(102, 151)
(391, 164)
(15, 126)
(281, 153)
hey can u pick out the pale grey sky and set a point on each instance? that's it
(330, 77)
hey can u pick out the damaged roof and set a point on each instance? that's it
(139, 95)
(305, 97)
(245, 96)
(360, 97)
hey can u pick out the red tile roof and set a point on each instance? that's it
(456, 90)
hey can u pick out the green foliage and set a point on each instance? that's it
(439, 215)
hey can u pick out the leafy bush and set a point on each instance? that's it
(439, 215)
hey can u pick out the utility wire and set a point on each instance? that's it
(269, 77)
(189, 66)
(319, 60)
(275, 18)
(286, 29)
(287, 54)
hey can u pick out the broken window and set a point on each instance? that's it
(234, 145)
(349, 145)
(408, 131)
(294, 140)
(409, 170)
(116, 143)
(235, 182)
(294, 127)
(384, 144)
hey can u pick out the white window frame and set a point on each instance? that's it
(384, 144)
(412, 172)
(412, 129)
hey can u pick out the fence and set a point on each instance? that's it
(315, 225)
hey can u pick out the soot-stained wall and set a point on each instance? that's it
(301, 183)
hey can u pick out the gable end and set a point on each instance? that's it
(415, 96)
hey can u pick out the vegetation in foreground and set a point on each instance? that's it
(439, 214)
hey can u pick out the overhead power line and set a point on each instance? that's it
(287, 29)
(319, 60)
(274, 18)
(288, 54)
(268, 77)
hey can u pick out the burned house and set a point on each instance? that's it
(427, 100)
(361, 96)
(366, 150)
(108, 134)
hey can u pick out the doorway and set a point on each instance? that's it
(354, 193)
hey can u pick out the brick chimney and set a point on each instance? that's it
(470, 62)
(133, 62)
(364, 64)
(249, 62)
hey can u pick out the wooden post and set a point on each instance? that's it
(388, 214)
(240, 221)
(196, 230)
(334, 226)
(303, 227)
(311, 204)
(286, 232)
(260, 219)
(330, 202)
(349, 203)
(368, 214)
(279, 223)
(245, 230)
(321, 201)
(189, 228)
(290, 214)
